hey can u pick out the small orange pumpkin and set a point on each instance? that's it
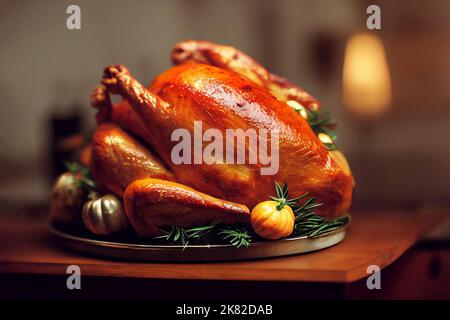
(271, 221)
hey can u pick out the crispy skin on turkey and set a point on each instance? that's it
(152, 204)
(118, 159)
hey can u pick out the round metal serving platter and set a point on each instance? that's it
(138, 250)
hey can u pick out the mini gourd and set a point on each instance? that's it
(67, 199)
(274, 219)
(104, 215)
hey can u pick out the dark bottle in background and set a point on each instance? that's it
(65, 131)
(65, 139)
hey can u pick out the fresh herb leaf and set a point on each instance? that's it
(83, 176)
(282, 196)
(330, 146)
(176, 234)
(236, 235)
(321, 122)
(200, 232)
(307, 223)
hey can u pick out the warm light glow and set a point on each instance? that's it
(366, 81)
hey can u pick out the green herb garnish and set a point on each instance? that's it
(83, 176)
(322, 122)
(235, 235)
(307, 223)
(282, 196)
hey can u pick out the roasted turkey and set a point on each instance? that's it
(224, 89)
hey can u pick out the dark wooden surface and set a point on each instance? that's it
(373, 239)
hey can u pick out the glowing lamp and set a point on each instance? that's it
(366, 80)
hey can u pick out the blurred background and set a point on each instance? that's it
(394, 118)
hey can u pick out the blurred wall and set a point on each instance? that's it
(405, 161)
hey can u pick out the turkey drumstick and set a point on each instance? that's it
(152, 204)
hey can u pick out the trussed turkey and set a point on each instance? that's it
(224, 89)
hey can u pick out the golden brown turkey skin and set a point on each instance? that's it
(118, 159)
(152, 204)
(121, 114)
(224, 99)
(230, 58)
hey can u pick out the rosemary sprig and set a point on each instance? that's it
(282, 196)
(307, 223)
(237, 236)
(83, 176)
(176, 234)
(199, 233)
(313, 229)
(321, 122)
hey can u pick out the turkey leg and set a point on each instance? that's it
(152, 204)
(147, 108)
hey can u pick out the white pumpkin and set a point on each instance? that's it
(105, 215)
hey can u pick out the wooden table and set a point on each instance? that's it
(372, 239)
